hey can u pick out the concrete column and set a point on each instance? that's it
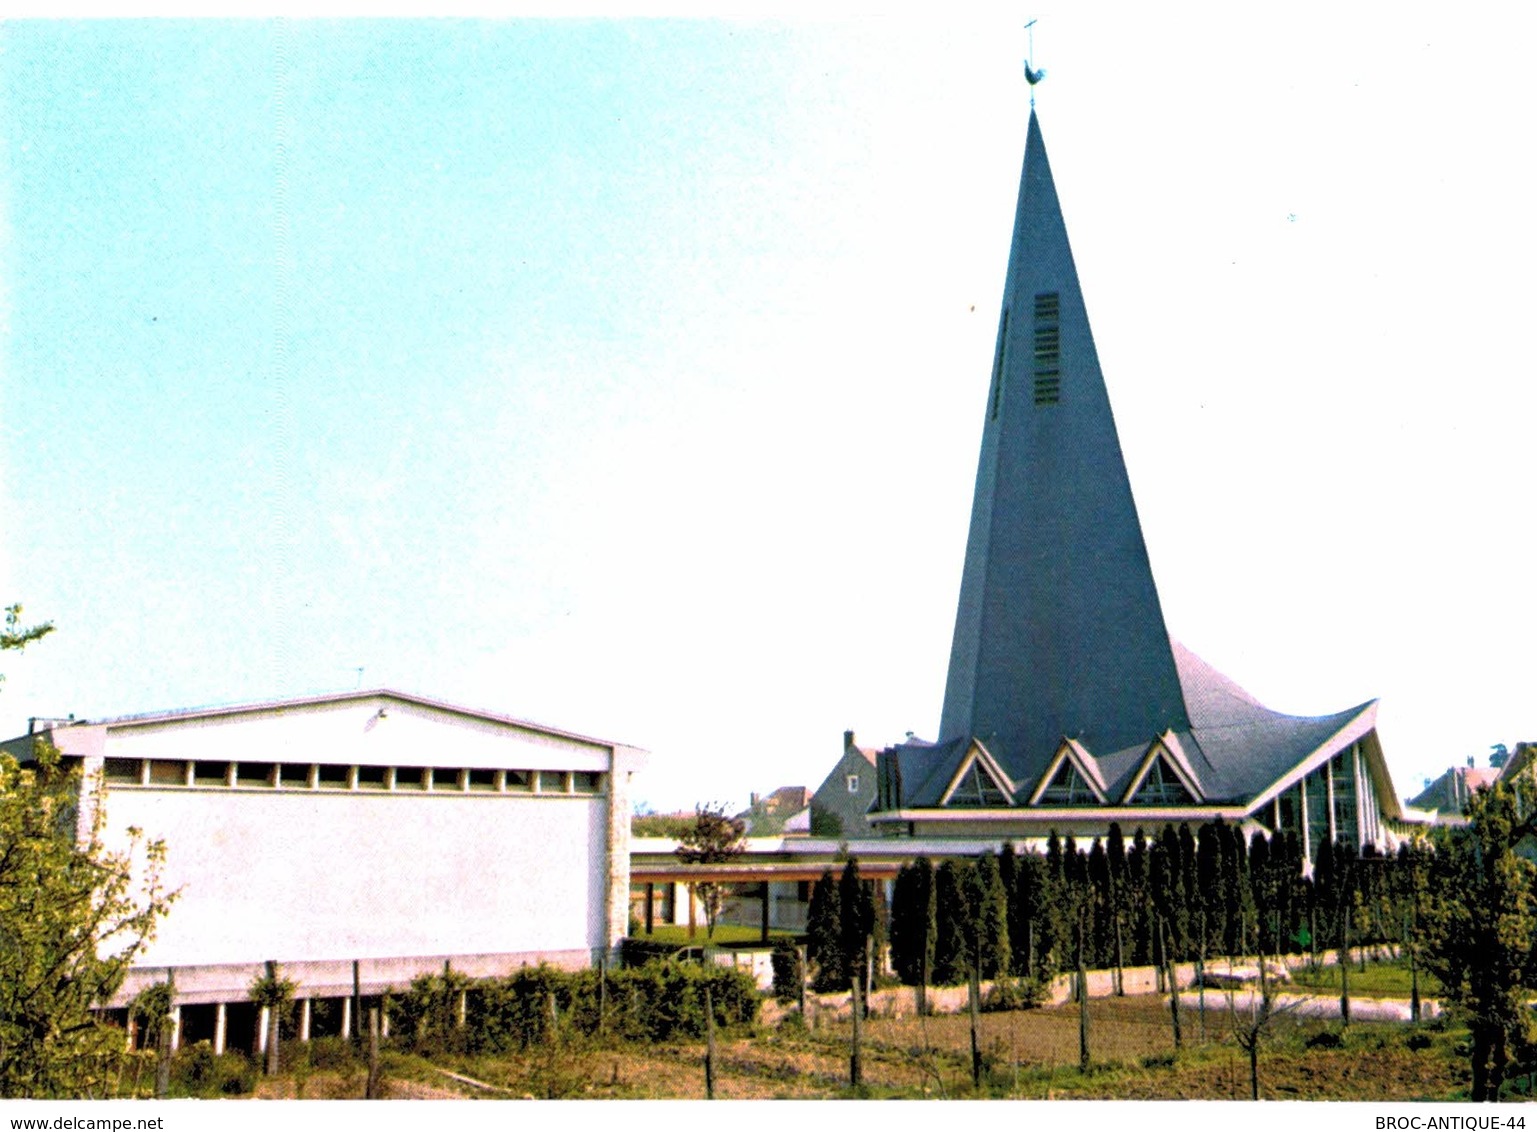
(464, 1008)
(220, 1027)
(1307, 838)
(1329, 786)
(261, 1029)
(384, 1021)
(175, 1028)
(622, 763)
(346, 1017)
(304, 1019)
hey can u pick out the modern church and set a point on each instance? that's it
(1067, 705)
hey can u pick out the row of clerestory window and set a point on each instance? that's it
(343, 777)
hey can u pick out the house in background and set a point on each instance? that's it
(785, 811)
(839, 806)
(357, 840)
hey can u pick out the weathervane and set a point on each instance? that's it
(1032, 76)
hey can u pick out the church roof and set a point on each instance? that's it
(1234, 748)
(1063, 681)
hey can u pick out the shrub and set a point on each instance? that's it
(196, 1071)
(332, 1053)
(1326, 1039)
(789, 975)
(1015, 994)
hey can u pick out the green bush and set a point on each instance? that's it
(789, 975)
(659, 1001)
(196, 1071)
(332, 1053)
(1015, 994)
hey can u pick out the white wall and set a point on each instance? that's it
(311, 875)
(298, 874)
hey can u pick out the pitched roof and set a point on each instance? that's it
(1450, 793)
(331, 699)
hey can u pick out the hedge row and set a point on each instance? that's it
(659, 1001)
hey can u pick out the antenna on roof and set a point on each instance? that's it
(1032, 76)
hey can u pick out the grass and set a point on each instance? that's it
(725, 934)
(1389, 979)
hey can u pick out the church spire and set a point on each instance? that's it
(1059, 631)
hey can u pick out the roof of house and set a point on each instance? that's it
(1450, 792)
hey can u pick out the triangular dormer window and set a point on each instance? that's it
(1067, 788)
(979, 782)
(977, 788)
(1162, 787)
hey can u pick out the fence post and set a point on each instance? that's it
(974, 1008)
(274, 1024)
(1083, 1006)
(805, 974)
(357, 1007)
(856, 1047)
(603, 992)
(371, 1088)
(709, 1045)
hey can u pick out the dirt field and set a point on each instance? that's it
(1027, 1054)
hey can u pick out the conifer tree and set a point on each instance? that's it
(990, 917)
(952, 961)
(912, 922)
(824, 936)
(856, 919)
(1051, 953)
(1099, 913)
(1115, 853)
(1138, 901)
(1025, 927)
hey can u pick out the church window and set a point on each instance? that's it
(977, 788)
(1068, 787)
(1162, 787)
(853, 784)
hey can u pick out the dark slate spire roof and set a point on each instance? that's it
(1059, 631)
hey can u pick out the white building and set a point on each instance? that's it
(368, 836)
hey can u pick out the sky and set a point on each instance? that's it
(627, 375)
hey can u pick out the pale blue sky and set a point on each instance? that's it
(627, 375)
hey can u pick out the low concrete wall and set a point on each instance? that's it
(900, 1002)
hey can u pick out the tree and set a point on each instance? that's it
(713, 839)
(856, 910)
(952, 954)
(1479, 924)
(824, 936)
(913, 925)
(990, 918)
(73, 916)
